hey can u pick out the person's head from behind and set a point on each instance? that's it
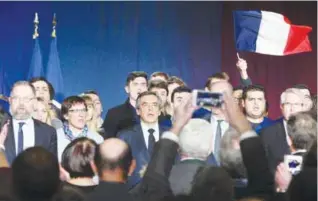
(98, 107)
(74, 112)
(302, 129)
(43, 88)
(161, 89)
(159, 76)
(195, 140)
(148, 107)
(180, 95)
(307, 99)
(173, 83)
(22, 100)
(78, 156)
(35, 174)
(90, 107)
(136, 83)
(220, 87)
(212, 183)
(113, 158)
(217, 77)
(254, 101)
(291, 102)
(230, 154)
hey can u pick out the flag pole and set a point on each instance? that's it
(36, 26)
(54, 26)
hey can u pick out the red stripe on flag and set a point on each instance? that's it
(298, 40)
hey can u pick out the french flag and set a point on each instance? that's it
(269, 33)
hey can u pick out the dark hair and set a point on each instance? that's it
(221, 76)
(300, 86)
(69, 102)
(35, 174)
(302, 129)
(212, 183)
(146, 93)
(77, 156)
(69, 193)
(253, 87)
(135, 74)
(123, 161)
(158, 84)
(161, 74)
(50, 86)
(176, 80)
(181, 89)
(240, 87)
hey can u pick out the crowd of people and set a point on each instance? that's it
(157, 145)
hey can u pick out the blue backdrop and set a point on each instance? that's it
(99, 43)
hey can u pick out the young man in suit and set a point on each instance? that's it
(24, 131)
(275, 137)
(142, 137)
(124, 116)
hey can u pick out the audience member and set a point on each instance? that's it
(125, 116)
(142, 137)
(92, 122)
(98, 107)
(159, 76)
(43, 113)
(254, 104)
(25, 132)
(76, 160)
(195, 147)
(173, 83)
(275, 137)
(74, 111)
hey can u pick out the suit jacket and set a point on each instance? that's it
(264, 124)
(119, 118)
(135, 138)
(154, 186)
(44, 136)
(182, 175)
(275, 143)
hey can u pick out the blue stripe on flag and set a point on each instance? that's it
(246, 27)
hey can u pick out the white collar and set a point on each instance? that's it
(26, 121)
(147, 126)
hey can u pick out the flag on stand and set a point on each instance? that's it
(269, 33)
(54, 72)
(36, 68)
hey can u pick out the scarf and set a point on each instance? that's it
(69, 134)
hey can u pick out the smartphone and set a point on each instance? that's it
(204, 98)
(294, 163)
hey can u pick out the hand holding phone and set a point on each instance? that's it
(206, 99)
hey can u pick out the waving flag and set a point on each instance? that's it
(269, 33)
(36, 68)
(54, 72)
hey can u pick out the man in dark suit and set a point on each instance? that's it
(124, 116)
(195, 147)
(142, 137)
(275, 138)
(24, 131)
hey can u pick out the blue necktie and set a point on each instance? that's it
(20, 138)
(217, 142)
(151, 140)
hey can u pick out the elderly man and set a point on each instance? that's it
(195, 147)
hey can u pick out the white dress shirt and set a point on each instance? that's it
(63, 141)
(145, 127)
(28, 133)
(286, 132)
(224, 126)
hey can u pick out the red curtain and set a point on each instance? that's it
(275, 73)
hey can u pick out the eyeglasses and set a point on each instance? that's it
(287, 104)
(78, 110)
(22, 99)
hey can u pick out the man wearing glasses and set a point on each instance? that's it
(275, 138)
(25, 132)
(74, 112)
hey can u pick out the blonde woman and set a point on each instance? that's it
(43, 112)
(91, 119)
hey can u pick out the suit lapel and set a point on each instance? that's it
(10, 144)
(282, 135)
(140, 142)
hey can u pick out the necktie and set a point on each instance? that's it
(20, 138)
(217, 141)
(151, 140)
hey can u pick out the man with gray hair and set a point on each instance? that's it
(276, 138)
(24, 131)
(195, 147)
